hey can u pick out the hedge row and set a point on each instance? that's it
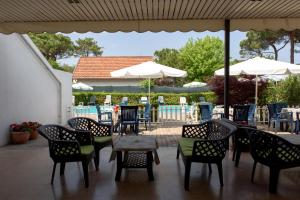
(133, 98)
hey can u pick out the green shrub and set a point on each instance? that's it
(285, 91)
(133, 98)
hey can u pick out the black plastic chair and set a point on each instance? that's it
(66, 145)
(102, 133)
(205, 143)
(104, 117)
(240, 114)
(241, 140)
(274, 152)
(129, 116)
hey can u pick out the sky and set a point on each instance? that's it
(145, 44)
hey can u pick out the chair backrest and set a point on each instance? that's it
(273, 150)
(205, 111)
(279, 106)
(107, 99)
(98, 110)
(124, 101)
(87, 124)
(160, 100)
(182, 100)
(251, 113)
(92, 100)
(212, 147)
(129, 113)
(202, 99)
(271, 110)
(62, 143)
(144, 100)
(241, 113)
(147, 112)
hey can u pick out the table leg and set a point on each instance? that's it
(119, 166)
(150, 165)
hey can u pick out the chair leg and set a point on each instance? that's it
(187, 174)
(234, 153)
(253, 171)
(177, 156)
(85, 173)
(62, 168)
(97, 158)
(53, 172)
(237, 158)
(273, 180)
(219, 165)
(146, 125)
(209, 168)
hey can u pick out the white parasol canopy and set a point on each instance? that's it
(194, 84)
(81, 86)
(148, 70)
(260, 66)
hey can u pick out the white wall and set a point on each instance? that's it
(111, 82)
(66, 98)
(29, 89)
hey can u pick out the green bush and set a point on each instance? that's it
(285, 91)
(133, 98)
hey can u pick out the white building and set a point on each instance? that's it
(31, 90)
(95, 71)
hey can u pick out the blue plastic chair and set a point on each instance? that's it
(147, 116)
(129, 116)
(276, 117)
(251, 115)
(104, 120)
(241, 114)
(124, 101)
(205, 111)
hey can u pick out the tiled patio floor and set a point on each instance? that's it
(26, 170)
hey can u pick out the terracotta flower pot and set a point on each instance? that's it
(19, 137)
(33, 134)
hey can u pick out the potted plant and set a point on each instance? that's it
(33, 126)
(19, 133)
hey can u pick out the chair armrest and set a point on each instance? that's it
(64, 148)
(195, 130)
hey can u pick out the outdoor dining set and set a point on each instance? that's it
(204, 142)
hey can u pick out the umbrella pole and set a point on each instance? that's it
(149, 90)
(256, 89)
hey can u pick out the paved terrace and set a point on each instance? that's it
(26, 170)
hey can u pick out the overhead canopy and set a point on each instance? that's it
(261, 66)
(148, 70)
(146, 15)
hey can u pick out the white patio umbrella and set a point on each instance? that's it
(148, 70)
(81, 86)
(260, 66)
(194, 84)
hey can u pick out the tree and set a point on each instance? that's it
(168, 57)
(88, 47)
(238, 85)
(259, 43)
(201, 57)
(53, 46)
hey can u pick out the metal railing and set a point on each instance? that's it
(166, 114)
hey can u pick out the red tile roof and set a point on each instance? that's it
(100, 67)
